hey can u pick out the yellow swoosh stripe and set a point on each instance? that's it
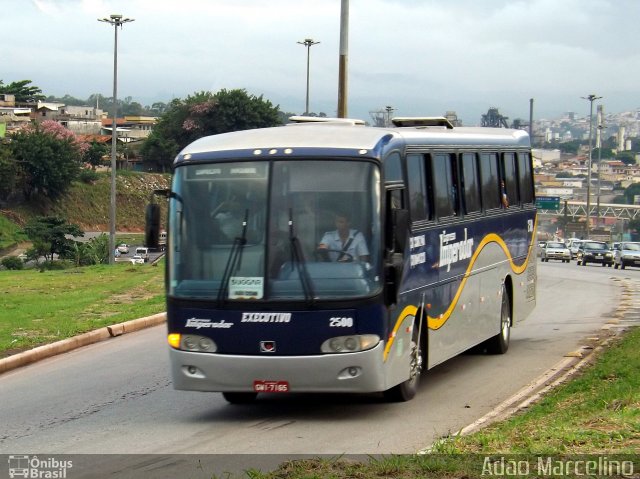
(436, 323)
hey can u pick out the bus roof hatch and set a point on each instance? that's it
(414, 121)
(324, 119)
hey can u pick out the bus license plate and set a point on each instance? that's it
(262, 386)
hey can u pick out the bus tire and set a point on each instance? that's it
(405, 391)
(499, 344)
(240, 398)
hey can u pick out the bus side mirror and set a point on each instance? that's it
(152, 226)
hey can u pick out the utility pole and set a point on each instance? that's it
(308, 42)
(116, 21)
(600, 122)
(342, 66)
(531, 121)
(591, 99)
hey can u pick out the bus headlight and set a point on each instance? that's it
(350, 344)
(192, 342)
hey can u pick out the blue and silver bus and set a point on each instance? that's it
(337, 257)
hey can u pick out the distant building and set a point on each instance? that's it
(12, 117)
(545, 156)
(130, 128)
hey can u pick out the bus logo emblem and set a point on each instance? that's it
(267, 346)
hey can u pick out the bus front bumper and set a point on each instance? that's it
(359, 372)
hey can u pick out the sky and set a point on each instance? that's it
(420, 57)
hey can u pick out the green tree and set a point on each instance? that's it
(627, 157)
(10, 173)
(49, 157)
(605, 155)
(204, 114)
(67, 100)
(93, 155)
(570, 147)
(48, 235)
(12, 262)
(94, 251)
(631, 191)
(23, 91)
(157, 108)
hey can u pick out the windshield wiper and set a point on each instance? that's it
(297, 258)
(234, 260)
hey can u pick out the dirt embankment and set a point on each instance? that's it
(88, 204)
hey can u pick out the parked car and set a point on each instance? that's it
(594, 252)
(123, 248)
(555, 250)
(573, 244)
(137, 259)
(626, 253)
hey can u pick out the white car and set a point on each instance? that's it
(123, 248)
(626, 253)
(574, 244)
(137, 259)
(555, 250)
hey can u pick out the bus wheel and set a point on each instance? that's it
(500, 342)
(406, 390)
(240, 398)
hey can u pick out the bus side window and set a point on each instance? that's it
(419, 206)
(490, 178)
(470, 183)
(525, 178)
(444, 185)
(393, 167)
(510, 177)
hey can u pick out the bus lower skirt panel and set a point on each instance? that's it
(360, 372)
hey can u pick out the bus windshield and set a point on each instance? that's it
(280, 230)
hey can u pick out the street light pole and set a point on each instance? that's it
(308, 42)
(600, 121)
(591, 99)
(116, 21)
(342, 60)
(389, 110)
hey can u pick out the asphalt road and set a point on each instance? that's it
(116, 396)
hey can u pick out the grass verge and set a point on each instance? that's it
(42, 307)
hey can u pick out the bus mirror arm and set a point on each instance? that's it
(392, 277)
(400, 228)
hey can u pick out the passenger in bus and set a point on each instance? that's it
(228, 219)
(344, 244)
(503, 194)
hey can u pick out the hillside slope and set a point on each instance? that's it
(87, 204)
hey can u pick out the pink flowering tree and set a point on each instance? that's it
(48, 158)
(203, 114)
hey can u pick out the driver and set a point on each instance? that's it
(344, 244)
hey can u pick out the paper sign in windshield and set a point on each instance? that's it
(249, 287)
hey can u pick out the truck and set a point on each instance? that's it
(143, 251)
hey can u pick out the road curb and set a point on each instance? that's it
(91, 337)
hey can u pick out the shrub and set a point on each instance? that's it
(12, 262)
(88, 176)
